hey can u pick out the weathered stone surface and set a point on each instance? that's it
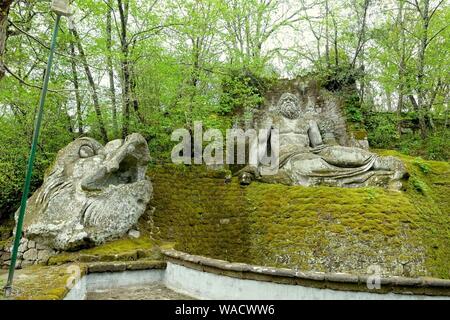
(23, 246)
(92, 194)
(106, 267)
(314, 134)
(5, 256)
(124, 256)
(313, 151)
(41, 246)
(31, 255)
(335, 281)
(134, 234)
(98, 267)
(44, 255)
(88, 258)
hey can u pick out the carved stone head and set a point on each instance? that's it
(289, 106)
(92, 194)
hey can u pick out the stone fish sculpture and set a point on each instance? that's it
(92, 194)
(309, 154)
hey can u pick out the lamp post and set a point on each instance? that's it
(61, 8)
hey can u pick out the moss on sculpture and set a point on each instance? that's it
(321, 228)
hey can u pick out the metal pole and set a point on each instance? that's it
(26, 188)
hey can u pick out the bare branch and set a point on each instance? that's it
(436, 34)
(22, 81)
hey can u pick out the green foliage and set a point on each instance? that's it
(382, 130)
(435, 147)
(242, 90)
(16, 129)
(125, 249)
(336, 77)
(353, 109)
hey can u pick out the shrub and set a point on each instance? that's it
(353, 109)
(382, 130)
(241, 91)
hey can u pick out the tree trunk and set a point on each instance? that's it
(327, 34)
(69, 122)
(335, 42)
(4, 11)
(134, 98)
(400, 108)
(362, 34)
(402, 67)
(93, 86)
(421, 69)
(126, 74)
(77, 90)
(112, 87)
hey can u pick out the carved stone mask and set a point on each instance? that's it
(289, 106)
(91, 194)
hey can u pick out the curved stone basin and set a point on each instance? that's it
(187, 277)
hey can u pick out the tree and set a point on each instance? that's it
(250, 24)
(76, 85)
(109, 59)
(4, 11)
(93, 86)
(426, 13)
(197, 46)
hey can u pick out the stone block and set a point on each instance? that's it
(31, 255)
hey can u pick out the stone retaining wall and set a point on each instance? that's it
(333, 281)
(313, 229)
(30, 253)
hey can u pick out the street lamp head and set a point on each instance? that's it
(61, 7)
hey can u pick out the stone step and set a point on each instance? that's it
(120, 266)
(134, 255)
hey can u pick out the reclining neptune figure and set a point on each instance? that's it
(309, 154)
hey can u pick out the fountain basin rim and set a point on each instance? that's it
(334, 281)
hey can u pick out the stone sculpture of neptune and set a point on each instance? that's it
(310, 155)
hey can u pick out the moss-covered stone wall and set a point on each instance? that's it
(200, 212)
(312, 229)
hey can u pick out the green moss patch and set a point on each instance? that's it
(428, 189)
(203, 214)
(319, 229)
(45, 283)
(120, 250)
